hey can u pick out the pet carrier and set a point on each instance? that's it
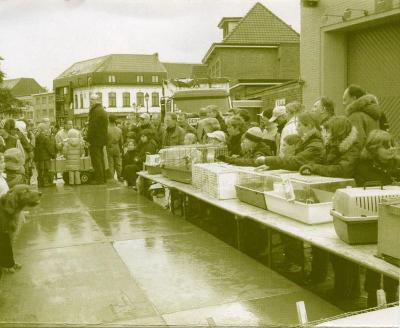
(355, 212)
(252, 184)
(311, 200)
(177, 161)
(152, 164)
(389, 230)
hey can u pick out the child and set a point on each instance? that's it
(73, 150)
(129, 160)
(45, 150)
(252, 146)
(14, 167)
(190, 139)
(3, 183)
(216, 138)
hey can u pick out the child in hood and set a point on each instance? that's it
(73, 150)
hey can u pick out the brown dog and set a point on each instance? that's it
(11, 218)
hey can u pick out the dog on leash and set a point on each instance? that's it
(12, 217)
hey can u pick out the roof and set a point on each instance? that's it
(9, 84)
(261, 26)
(179, 70)
(116, 63)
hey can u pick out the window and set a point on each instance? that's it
(154, 79)
(140, 99)
(112, 99)
(81, 100)
(43, 100)
(126, 99)
(44, 112)
(76, 101)
(100, 97)
(155, 99)
(65, 90)
(139, 79)
(111, 78)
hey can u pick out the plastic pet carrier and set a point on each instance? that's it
(355, 212)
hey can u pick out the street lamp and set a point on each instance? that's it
(146, 97)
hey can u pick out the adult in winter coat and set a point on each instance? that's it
(379, 162)
(309, 147)
(97, 138)
(173, 134)
(73, 150)
(45, 150)
(252, 146)
(342, 150)
(325, 109)
(362, 110)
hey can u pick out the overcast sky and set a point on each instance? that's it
(42, 38)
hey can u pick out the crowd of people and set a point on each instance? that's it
(312, 141)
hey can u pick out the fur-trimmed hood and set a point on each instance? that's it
(366, 104)
(349, 141)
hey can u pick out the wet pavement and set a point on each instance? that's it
(106, 255)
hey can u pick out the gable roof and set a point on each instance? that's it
(116, 63)
(179, 70)
(9, 84)
(261, 26)
(23, 86)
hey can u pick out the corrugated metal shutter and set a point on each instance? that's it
(374, 63)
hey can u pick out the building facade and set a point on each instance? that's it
(257, 51)
(126, 84)
(44, 106)
(352, 42)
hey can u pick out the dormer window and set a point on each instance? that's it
(139, 79)
(111, 78)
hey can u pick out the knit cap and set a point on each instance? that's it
(13, 159)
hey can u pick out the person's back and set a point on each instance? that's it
(97, 127)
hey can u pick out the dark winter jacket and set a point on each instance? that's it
(98, 126)
(310, 149)
(248, 158)
(9, 142)
(148, 148)
(234, 144)
(370, 170)
(45, 148)
(131, 157)
(365, 114)
(173, 136)
(340, 160)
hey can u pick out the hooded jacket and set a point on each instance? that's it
(73, 150)
(365, 114)
(310, 149)
(340, 159)
(370, 170)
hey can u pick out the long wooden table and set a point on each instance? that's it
(320, 235)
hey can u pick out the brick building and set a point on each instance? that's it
(257, 51)
(352, 42)
(22, 89)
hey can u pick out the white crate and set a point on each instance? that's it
(362, 202)
(152, 160)
(389, 230)
(306, 213)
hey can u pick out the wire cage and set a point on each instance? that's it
(183, 157)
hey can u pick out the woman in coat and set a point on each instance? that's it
(379, 162)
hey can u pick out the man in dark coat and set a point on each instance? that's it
(97, 138)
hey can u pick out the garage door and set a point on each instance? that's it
(374, 63)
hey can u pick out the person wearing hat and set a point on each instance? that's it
(145, 123)
(252, 146)
(308, 146)
(14, 167)
(216, 138)
(97, 138)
